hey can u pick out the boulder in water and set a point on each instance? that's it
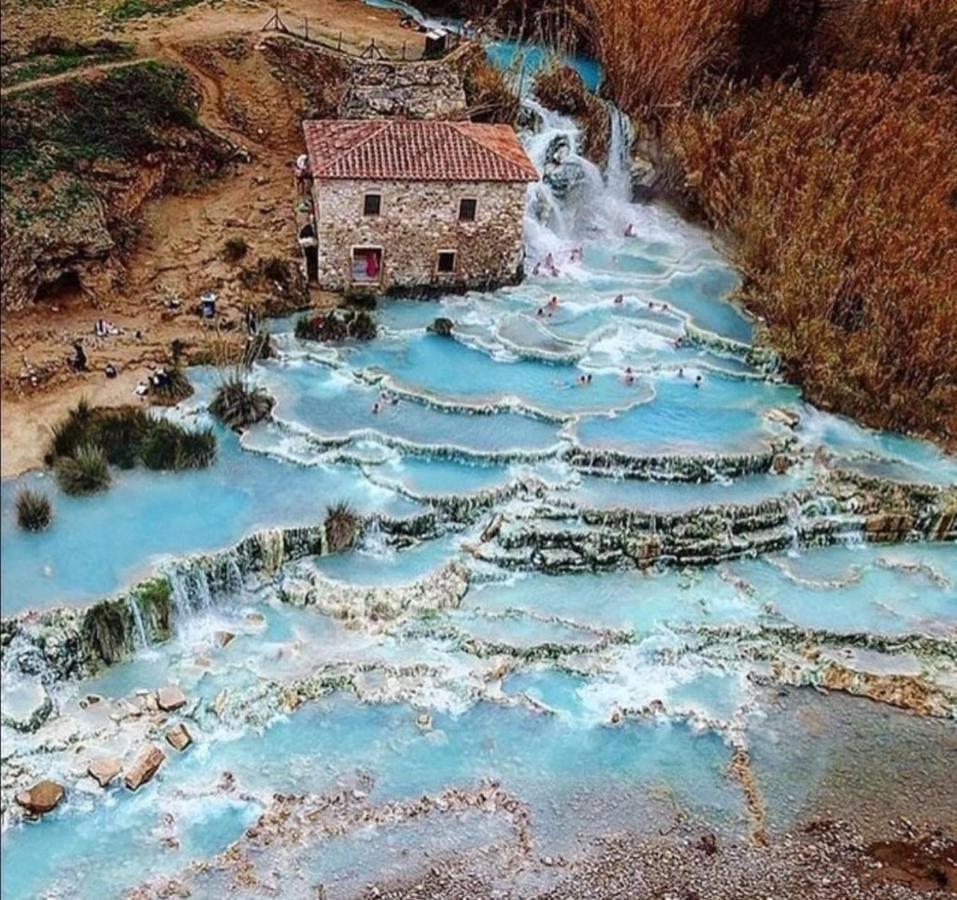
(144, 767)
(565, 179)
(441, 326)
(224, 638)
(178, 737)
(103, 770)
(170, 698)
(41, 798)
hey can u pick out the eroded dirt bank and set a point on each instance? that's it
(134, 231)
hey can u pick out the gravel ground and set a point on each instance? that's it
(825, 861)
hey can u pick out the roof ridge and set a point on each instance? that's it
(385, 124)
(458, 127)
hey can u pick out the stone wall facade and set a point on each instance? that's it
(428, 89)
(418, 220)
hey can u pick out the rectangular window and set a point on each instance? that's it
(446, 263)
(371, 204)
(467, 207)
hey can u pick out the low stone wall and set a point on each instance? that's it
(372, 88)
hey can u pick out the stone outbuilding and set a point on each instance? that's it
(402, 205)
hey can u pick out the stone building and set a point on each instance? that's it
(414, 205)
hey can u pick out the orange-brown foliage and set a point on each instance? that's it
(835, 185)
(656, 55)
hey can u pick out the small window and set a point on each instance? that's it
(467, 206)
(371, 204)
(446, 261)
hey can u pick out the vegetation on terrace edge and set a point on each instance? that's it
(341, 526)
(337, 325)
(239, 403)
(90, 439)
(819, 139)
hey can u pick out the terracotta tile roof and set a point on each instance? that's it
(415, 150)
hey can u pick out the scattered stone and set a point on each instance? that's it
(224, 638)
(41, 798)
(144, 767)
(178, 737)
(104, 770)
(708, 844)
(441, 326)
(170, 698)
(424, 721)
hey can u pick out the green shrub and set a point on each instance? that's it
(34, 510)
(197, 449)
(337, 325)
(169, 446)
(239, 403)
(124, 436)
(119, 433)
(85, 472)
(341, 526)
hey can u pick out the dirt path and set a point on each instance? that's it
(74, 74)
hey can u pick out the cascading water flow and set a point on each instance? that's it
(574, 201)
(618, 171)
(590, 642)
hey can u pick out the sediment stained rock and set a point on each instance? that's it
(144, 767)
(42, 798)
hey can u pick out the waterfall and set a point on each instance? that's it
(794, 515)
(573, 198)
(141, 637)
(374, 541)
(272, 548)
(618, 170)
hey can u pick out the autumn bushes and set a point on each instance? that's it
(829, 162)
(840, 207)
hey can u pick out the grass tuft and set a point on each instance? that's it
(239, 403)
(85, 472)
(34, 510)
(341, 526)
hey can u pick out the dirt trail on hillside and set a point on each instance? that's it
(73, 74)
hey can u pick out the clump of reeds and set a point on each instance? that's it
(239, 402)
(34, 510)
(337, 325)
(341, 526)
(90, 439)
(85, 471)
(167, 446)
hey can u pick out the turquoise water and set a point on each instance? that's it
(604, 702)
(99, 544)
